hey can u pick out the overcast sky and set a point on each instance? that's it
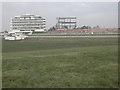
(104, 14)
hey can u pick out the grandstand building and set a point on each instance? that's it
(66, 23)
(28, 22)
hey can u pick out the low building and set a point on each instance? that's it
(28, 22)
(14, 36)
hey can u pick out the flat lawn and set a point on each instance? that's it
(60, 63)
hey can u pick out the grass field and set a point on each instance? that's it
(60, 63)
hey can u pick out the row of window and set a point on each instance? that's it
(28, 28)
(35, 18)
(28, 22)
(28, 25)
(19, 20)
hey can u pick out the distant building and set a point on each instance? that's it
(66, 23)
(28, 22)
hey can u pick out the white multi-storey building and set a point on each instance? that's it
(28, 22)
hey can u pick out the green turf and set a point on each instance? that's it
(60, 63)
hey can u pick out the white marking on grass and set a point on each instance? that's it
(76, 36)
(66, 54)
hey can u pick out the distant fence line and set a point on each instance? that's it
(72, 33)
(75, 36)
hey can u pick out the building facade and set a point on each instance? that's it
(66, 23)
(28, 22)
